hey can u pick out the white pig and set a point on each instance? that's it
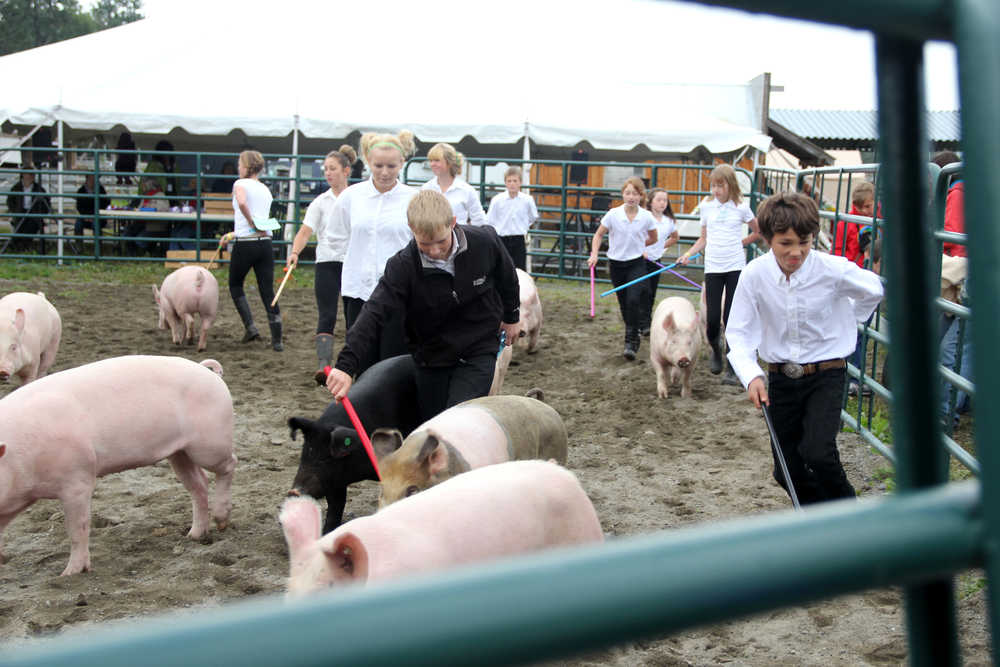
(188, 291)
(485, 514)
(531, 312)
(476, 433)
(674, 342)
(30, 330)
(500, 370)
(59, 434)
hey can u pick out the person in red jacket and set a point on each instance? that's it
(954, 204)
(846, 240)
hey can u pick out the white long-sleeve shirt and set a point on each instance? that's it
(512, 216)
(809, 316)
(377, 229)
(723, 223)
(331, 240)
(627, 239)
(463, 198)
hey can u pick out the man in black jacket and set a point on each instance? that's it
(458, 290)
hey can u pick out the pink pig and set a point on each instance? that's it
(674, 342)
(30, 329)
(482, 515)
(188, 291)
(114, 415)
(531, 312)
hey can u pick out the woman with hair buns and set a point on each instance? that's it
(372, 214)
(331, 244)
(446, 163)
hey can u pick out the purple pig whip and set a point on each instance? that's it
(678, 274)
(780, 456)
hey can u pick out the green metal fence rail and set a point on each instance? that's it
(560, 604)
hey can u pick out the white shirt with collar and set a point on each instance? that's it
(627, 239)
(331, 240)
(664, 228)
(375, 223)
(809, 316)
(463, 198)
(724, 234)
(511, 216)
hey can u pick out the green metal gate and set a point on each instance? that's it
(559, 604)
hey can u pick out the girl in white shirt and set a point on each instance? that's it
(511, 213)
(446, 164)
(252, 247)
(630, 229)
(373, 215)
(722, 219)
(658, 203)
(331, 244)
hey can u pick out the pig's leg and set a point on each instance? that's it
(206, 323)
(686, 382)
(29, 373)
(533, 340)
(222, 500)
(188, 328)
(662, 388)
(76, 507)
(194, 480)
(173, 321)
(336, 500)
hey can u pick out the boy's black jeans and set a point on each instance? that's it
(806, 415)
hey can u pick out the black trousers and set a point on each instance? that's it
(259, 256)
(630, 299)
(806, 415)
(650, 302)
(327, 289)
(518, 253)
(392, 337)
(440, 388)
(715, 283)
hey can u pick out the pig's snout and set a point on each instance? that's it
(683, 362)
(4, 376)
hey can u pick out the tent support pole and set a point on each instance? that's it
(61, 161)
(293, 193)
(526, 171)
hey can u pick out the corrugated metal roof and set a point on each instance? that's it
(822, 125)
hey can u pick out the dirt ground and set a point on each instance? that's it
(648, 465)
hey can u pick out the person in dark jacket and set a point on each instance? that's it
(458, 291)
(28, 198)
(86, 201)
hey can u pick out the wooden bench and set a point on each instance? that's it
(217, 203)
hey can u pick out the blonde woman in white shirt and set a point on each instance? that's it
(446, 164)
(630, 229)
(722, 218)
(657, 203)
(373, 214)
(331, 244)
(252, 248)
(798, 311)
(512, 213)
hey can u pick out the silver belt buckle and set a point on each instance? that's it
(793, 371)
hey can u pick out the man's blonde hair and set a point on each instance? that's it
(429, 213)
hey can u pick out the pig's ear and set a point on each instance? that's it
(300, 521)
(385, 441)
(299, 424)
(19, 320)
(668, 322)
(433, 455)
(348, 557)
(343, 441)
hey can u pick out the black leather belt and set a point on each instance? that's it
(244, 239)
(795, 371)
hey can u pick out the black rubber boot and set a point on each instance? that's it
(243, 308)
(631, 344)
(730, 376)
(324, 354)
(274, 322)
(715, 362)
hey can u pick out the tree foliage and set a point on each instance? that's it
(25, 24)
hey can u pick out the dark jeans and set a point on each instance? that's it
(650, 303)
(392, 337)
(259, 256)
(806, 415)
(518, 253)
(630, 299)
(714, 284)
(327, 295)
(440, 388)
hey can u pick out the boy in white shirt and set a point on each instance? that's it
(512, 213)
(799, 310)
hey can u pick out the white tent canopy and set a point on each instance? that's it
(558, 73)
